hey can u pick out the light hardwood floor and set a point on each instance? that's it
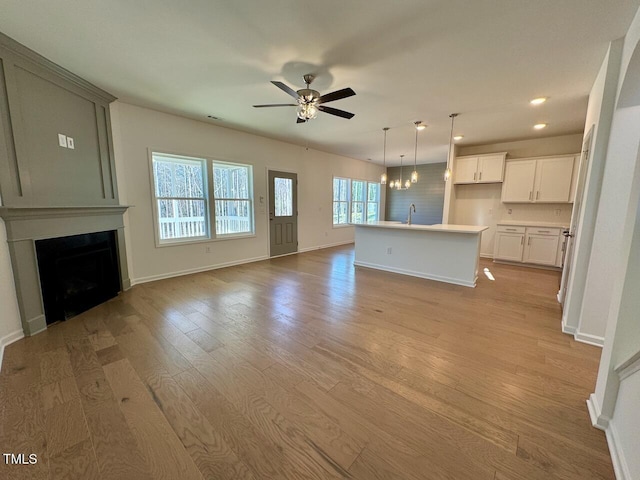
(303, 367)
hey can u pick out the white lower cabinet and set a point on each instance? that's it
(535, 245)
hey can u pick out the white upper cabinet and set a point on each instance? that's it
(519, 180)
(480, 168)
(541, 180)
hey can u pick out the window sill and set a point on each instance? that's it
(342, 225)
(198, 240)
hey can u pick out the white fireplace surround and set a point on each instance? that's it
(25, 225)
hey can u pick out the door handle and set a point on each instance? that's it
(531, 195)
(480, 176)
(474, 176)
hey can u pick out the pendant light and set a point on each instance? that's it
(447, 172)
(398, 183)
(414, 174)
(383, 177)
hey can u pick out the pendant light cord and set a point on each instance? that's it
(453, 117)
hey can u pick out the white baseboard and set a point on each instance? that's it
(595, 413)
(486, 255)
(179, 273)
(568, 329)
(589, 339)
(618, 460)
(8, 340)
(328, 245)
(412, 273)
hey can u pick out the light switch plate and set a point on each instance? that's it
(70, 143)
(62, 140)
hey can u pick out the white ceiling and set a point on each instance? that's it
(407, 61)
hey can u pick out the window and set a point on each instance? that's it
(355, 201)
(340, 201)
(373, 201)
(188, 199)
(232, 197)
(181, 197)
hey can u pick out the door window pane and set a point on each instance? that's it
(283, 196)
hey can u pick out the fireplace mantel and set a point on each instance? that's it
(25, 225)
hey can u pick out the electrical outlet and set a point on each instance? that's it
(388, 250)
(62, 140)
(558, 212)
(70, 143)
(510, 211)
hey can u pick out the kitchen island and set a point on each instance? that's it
(446, 253)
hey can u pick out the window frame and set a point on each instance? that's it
(347, 201)
(252, 217)
(209, 204)
(350, 201)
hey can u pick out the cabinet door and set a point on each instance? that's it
(519, 181)
(490, 169)
(553, 179)
(466, 169)
(541, 249)
(509, 246)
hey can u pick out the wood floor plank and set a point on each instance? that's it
(76, 462)
(160, 446)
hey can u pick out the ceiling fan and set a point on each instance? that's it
(309, 102)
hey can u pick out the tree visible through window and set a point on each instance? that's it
(232, 194)
(180, 192)
(355, 201)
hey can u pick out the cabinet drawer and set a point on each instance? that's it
(543, 231)
(510, 229)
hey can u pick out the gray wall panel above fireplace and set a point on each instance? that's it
(38, 101)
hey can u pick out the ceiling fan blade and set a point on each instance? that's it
(337, 95)
(277, 105)
(286, 89)
(335, 111)
(299, 120)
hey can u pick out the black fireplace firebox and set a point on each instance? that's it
(77, 273)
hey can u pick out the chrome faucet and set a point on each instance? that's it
(413, 205)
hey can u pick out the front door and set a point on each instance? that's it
(283, 213)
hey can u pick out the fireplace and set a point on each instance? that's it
(65, 259)
(77, 273)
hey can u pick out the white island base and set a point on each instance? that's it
(446, 253)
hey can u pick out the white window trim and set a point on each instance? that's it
(210, 205)
(349, 201)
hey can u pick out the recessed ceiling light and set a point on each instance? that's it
(458, 137)
(538, 101)
(539, 126)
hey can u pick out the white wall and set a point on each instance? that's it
(138, 129)
(599, 116)
(10, 326)
(613, 273)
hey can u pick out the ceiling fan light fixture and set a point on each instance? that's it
(307, 110)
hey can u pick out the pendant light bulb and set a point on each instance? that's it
(383, 177)
(447, 174)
